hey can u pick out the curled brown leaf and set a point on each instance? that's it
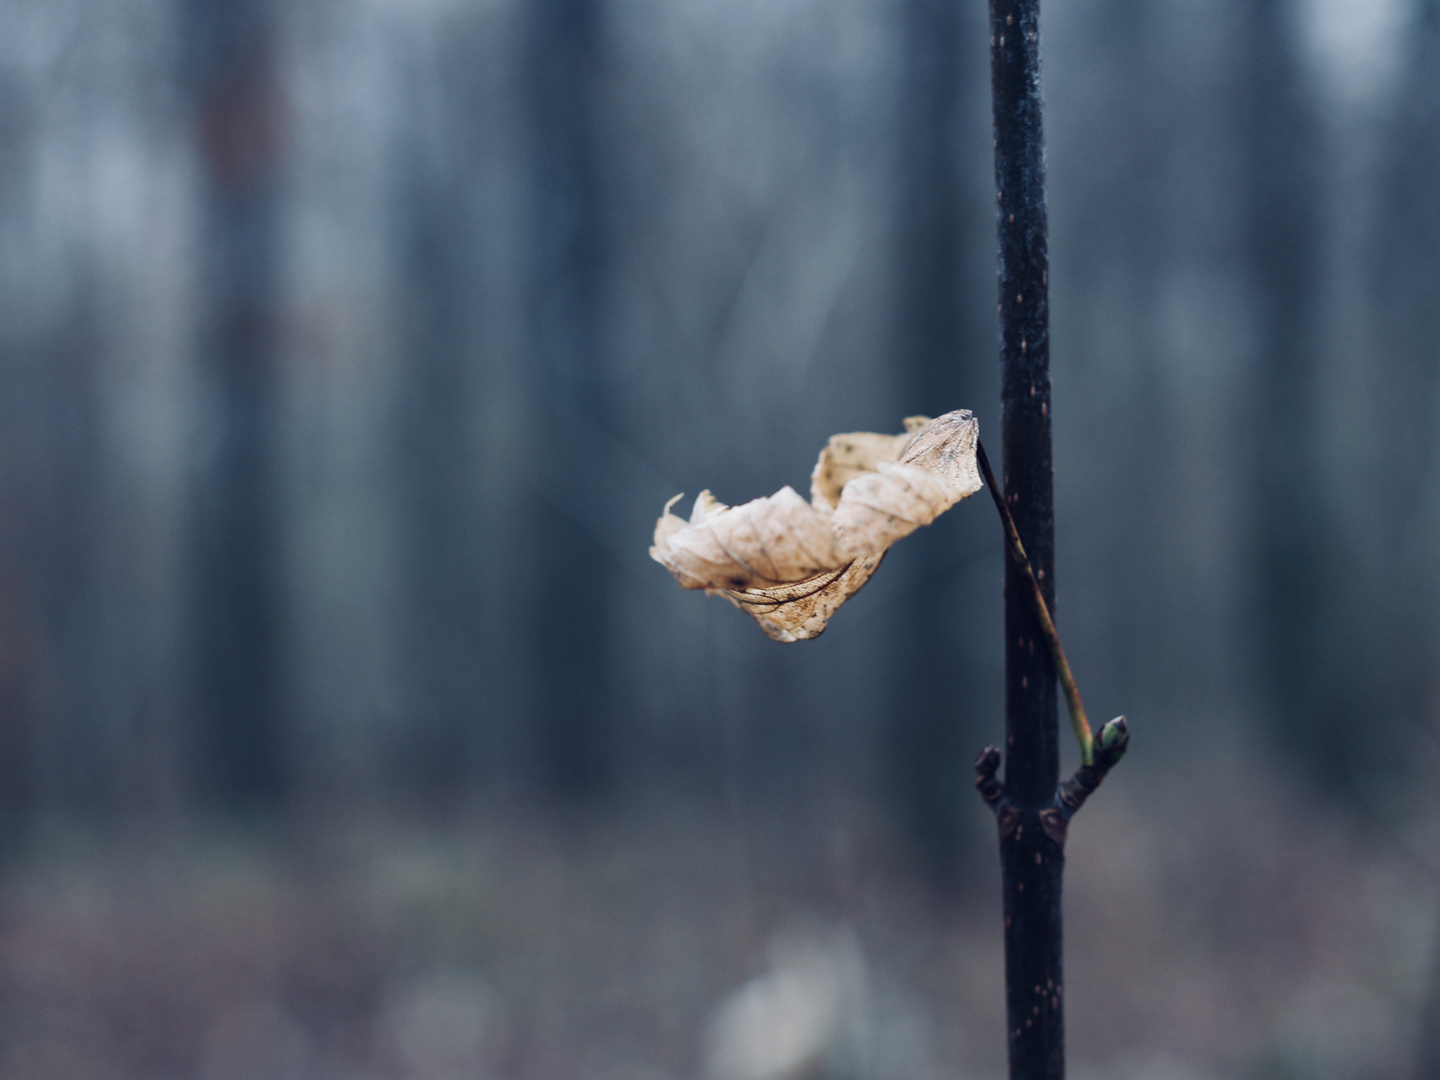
(790, 564)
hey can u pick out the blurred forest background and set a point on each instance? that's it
(348, 352)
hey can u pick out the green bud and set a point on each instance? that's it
(1110, 746)
(1116, 731)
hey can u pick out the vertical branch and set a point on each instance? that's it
(1032, 860)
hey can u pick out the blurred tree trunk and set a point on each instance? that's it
(436, 759)
(230, 47)
(1427, 1063)
(929, 745)
(1118, 275)
(62, 771)
(87, 730)
(1402, 672)
(1281, 247)
(570, 569)
(1402, 675)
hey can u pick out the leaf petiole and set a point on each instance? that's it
(1083, 734)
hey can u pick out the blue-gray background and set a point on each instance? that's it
(349, 350)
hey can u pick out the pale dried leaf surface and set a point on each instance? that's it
(800, 611)
(935, 471)
(790, 564)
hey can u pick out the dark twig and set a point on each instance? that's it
(1032, 861)
(1031, 807)
(1037, 1051)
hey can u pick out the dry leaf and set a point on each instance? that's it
(789, 563)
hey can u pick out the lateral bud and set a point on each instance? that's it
(1110, 746)
(1112, 743)
(986, 764)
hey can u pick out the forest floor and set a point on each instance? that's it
(1229, 937)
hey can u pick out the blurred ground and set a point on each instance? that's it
(1216, 931)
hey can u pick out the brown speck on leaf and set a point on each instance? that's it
(1019, 298)
(1009, 19)
(1012, 219)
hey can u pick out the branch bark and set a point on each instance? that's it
(1032, 808)
(1032, 860)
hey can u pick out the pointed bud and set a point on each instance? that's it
(987, 761)
(991, 790)
(1113, 741)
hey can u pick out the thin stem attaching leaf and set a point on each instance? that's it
(1083, 735)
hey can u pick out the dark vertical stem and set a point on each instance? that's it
(1032, 863)
(235, 599)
